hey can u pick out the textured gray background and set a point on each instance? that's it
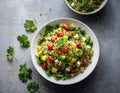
(106, 25)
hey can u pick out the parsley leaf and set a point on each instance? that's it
(9, 57)
(24, 42)
(30, 26)
(38, 59)
(25, 73)
(32, 87)
(48, 29)
(10, 52)
(60, 43)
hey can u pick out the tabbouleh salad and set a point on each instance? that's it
(64, 51)
(85, 5)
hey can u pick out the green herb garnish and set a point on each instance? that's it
(50, 9)
(32, 87)
(30, 26)
(10, 52)
(24, 42)
(25, 73)
(48, 29)
(40, 14)
(38, 59)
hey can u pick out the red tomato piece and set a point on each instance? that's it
(60, 34)
(50, 58)
(53, 39)
(44, 65)
(66, 48)
(73, 33)
(72, 70)
(84, 62)
(59, 68)
(65, 26)
(78, 43)
(58, 51)
(85, 53)
(50, 47)
(97, 1)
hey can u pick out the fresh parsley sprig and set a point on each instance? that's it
(25, 73)
(10, 52)
(33, 87)
(30, 26)
(24, 42)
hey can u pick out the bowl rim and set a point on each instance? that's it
(70, 19)
(88, 13)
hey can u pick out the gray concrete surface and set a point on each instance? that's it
(106, 25)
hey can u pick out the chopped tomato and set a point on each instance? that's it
(50, 58)
(97, 1)
(50, 47)
(60, 34)
(78, 43)
(65, 26)
(85, 53)
(58, 51)
(44, 65)
(66, 48)
(84, 62)
(59, 68)
(73, 33)
(72, 70)
(53, 39)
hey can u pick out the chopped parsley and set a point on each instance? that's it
(24, 42)
(30, 26)
(40, 14)
(32, 87)
(48, 29)
(10, 52)
(25, 73)
(39, 61)
(50, 9)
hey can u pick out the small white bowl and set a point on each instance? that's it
(87, 13)
(79, 77)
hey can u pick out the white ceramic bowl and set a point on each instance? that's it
(79, 77)
(88, 13)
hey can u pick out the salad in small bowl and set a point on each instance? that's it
(85, 7)
(65, 51)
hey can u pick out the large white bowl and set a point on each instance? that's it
(88, 13)
(79, 77)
